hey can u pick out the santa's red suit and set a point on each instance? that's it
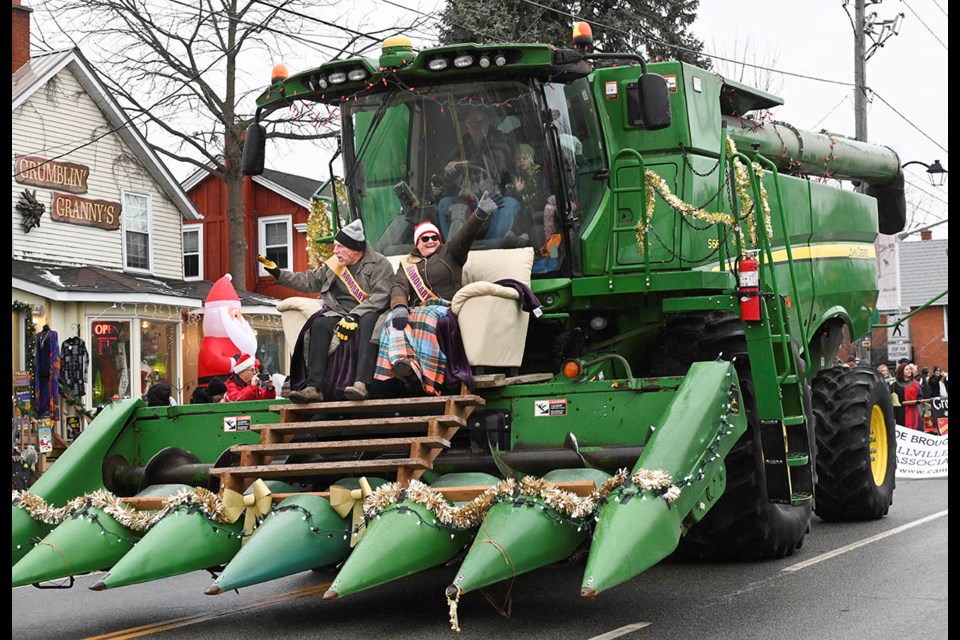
(226, 332)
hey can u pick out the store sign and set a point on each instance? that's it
(40, 172)
(22, 389)
(91, 213)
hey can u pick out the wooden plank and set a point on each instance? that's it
(322, 468)
(362, 425)
(369, 406)
(499, 380)
(339, 446)
(454, 494)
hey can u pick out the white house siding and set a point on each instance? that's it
(58, 119)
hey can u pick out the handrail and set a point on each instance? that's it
(786, 244)
(643, 199)
(765, 251)
(911, 314)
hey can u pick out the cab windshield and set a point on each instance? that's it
(431, 153)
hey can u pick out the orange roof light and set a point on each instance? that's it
(582, 36)
(279, 73)
(571, 369)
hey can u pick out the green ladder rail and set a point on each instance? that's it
(777, 378)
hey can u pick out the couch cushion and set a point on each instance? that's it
(308, 306)
(496, 264)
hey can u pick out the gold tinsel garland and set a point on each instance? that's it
(320, 225)
(747, 208)
(38, 509)
(658, 186)
(471, 514)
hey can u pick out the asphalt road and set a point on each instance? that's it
(878, 580)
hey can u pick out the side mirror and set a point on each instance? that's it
(254, 145)
(648, 103)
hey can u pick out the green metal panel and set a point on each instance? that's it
(600, 413)
(196, 428)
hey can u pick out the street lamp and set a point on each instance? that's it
(935, 172)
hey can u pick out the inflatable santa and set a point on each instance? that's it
(226, 333)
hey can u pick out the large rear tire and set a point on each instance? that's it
(856, 443)
(743, 524)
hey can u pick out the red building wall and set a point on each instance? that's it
(926, 336)
(210, 198)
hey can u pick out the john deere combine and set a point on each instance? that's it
(696, 270)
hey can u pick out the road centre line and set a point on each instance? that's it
(622, 631)
(865, 541)
(174, 623)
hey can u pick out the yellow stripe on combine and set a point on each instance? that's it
(847, 250)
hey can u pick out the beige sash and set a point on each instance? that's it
(347, 278)
(413, 275)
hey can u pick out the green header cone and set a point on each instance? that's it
(77, 545)
(521, 535)
(302, 532)
(635, 531)
(629, 539)
(80, 545)
(25, 530)
(185, 540)
(404, 539)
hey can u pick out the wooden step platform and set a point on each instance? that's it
(430, 421)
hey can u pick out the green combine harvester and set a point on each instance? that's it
(677, 393)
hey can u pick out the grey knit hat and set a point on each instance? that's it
(351, 236)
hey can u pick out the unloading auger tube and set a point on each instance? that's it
(794, 151)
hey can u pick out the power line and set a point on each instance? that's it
(925, 192)
(908, 121)
(939, 7)
(924, 24)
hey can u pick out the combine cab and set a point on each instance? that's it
(695, 275)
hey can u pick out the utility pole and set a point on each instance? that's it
(859, 70)
(878, 31)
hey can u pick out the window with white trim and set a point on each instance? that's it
(193, 252)
(136, 231)
(276, 240)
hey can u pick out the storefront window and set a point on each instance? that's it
(158, 349)
(110, 360)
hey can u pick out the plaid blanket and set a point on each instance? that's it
(417, 343)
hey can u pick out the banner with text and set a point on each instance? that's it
(921, 455)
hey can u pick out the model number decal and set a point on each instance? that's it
(550, 407)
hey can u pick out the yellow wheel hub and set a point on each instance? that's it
(878, 445)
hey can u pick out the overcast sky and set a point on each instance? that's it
(808, 45)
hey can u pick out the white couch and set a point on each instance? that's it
(492, 324)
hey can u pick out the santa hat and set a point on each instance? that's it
(244, 361)
(423, 228)
(351, 236)
(222, 294)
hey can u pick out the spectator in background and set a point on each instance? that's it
(884, 371)
(907, 392)
(851, 361)
(212, 393)
(936, 384)
(158, 395)
(244, 384)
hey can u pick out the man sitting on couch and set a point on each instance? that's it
(354, 285)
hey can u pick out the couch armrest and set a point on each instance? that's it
(480, 289)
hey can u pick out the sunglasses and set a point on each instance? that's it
(429, 238)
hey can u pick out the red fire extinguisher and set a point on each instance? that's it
(749, 291)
